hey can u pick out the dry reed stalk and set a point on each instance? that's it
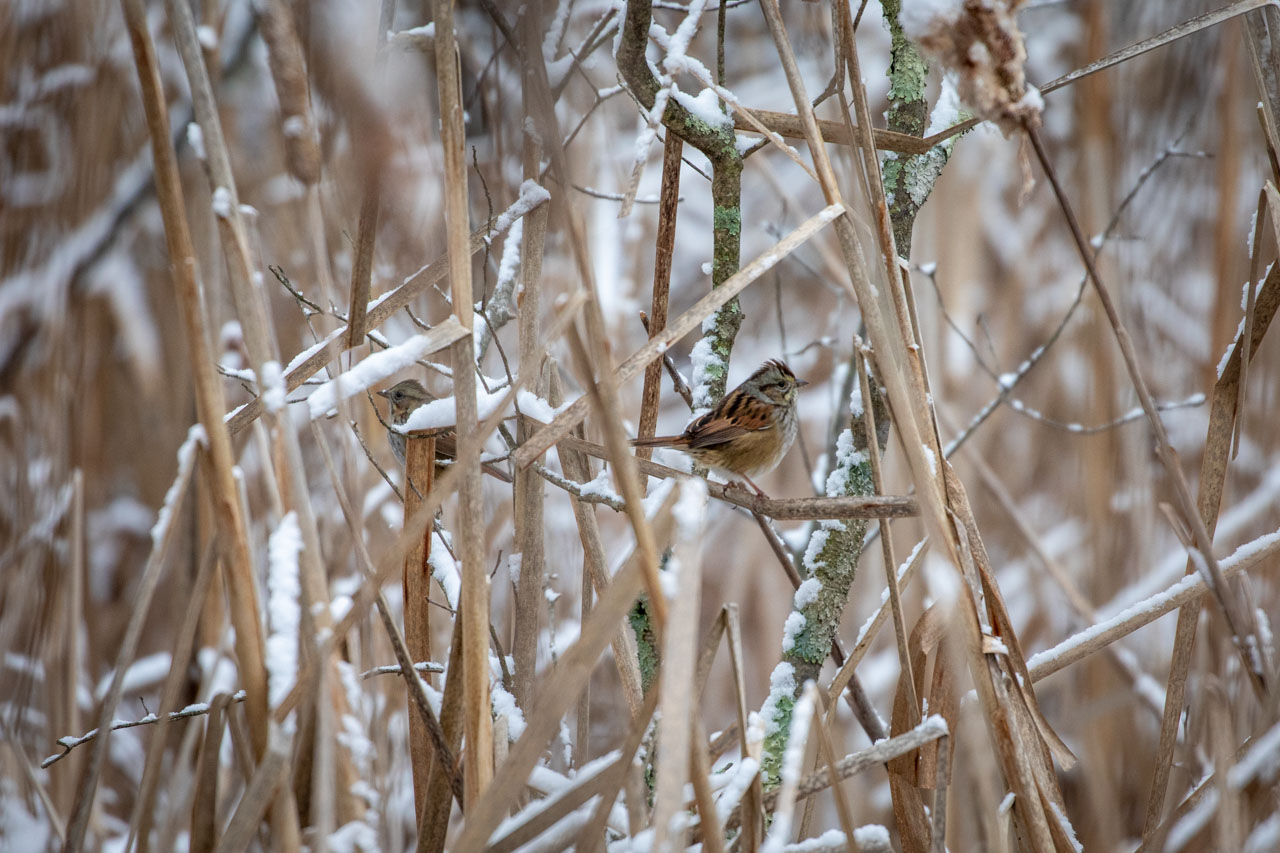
(162, 541)
(210, 404)
(679, 655)
(1075, 598)
(604, 396)
(1223, 414)
(420, 466)
(792, 127)
(67, 671)
(367, 229)
(592, 836)
(261, 794)
(668, 208)
(907, 674)
(595, 366)
(204, 829)
(700, 771)
(561, 689)
(183, 645)
(528, 487)
(685, 323)
(752, 806)
(873, 624)
(1188, 591)
(587, 785)
(844, 811)
(930, 730)
(595, 563)
(433, 826)
(289, 74)
(474, 604)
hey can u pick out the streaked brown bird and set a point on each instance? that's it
(404, 397)
(749, 431)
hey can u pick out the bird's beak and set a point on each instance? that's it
(800, 383)
(384, 393)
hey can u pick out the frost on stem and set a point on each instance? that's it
(829, 566)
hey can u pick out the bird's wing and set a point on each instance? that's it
(729, 421)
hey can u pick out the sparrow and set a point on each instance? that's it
(404, 398)
(749, 431)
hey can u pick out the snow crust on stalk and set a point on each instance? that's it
(186, 458)
(873, 836)
(555, 786)
(739, 780)
(920, 17)
(792, 628)
(1154, 602)
(690, 510)
(444, 412)
(807, 593)
(832, 839)
(792, 768)
(445, 570)
(782, 686)
(284, 588)
(272, 386)
(368, 372)
(946, 113)
(533, 406)
(143, 673)
(705, 363)
(504, 705)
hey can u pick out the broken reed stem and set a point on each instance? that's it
(668, 207)
(419, 472)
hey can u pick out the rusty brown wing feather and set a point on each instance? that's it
(735, 417)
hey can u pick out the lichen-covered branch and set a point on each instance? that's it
(829, 567)
(718, 141)
(908, 179)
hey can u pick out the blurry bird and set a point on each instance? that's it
(404, 398)
(749, 431)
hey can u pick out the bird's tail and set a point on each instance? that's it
(658, 441)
